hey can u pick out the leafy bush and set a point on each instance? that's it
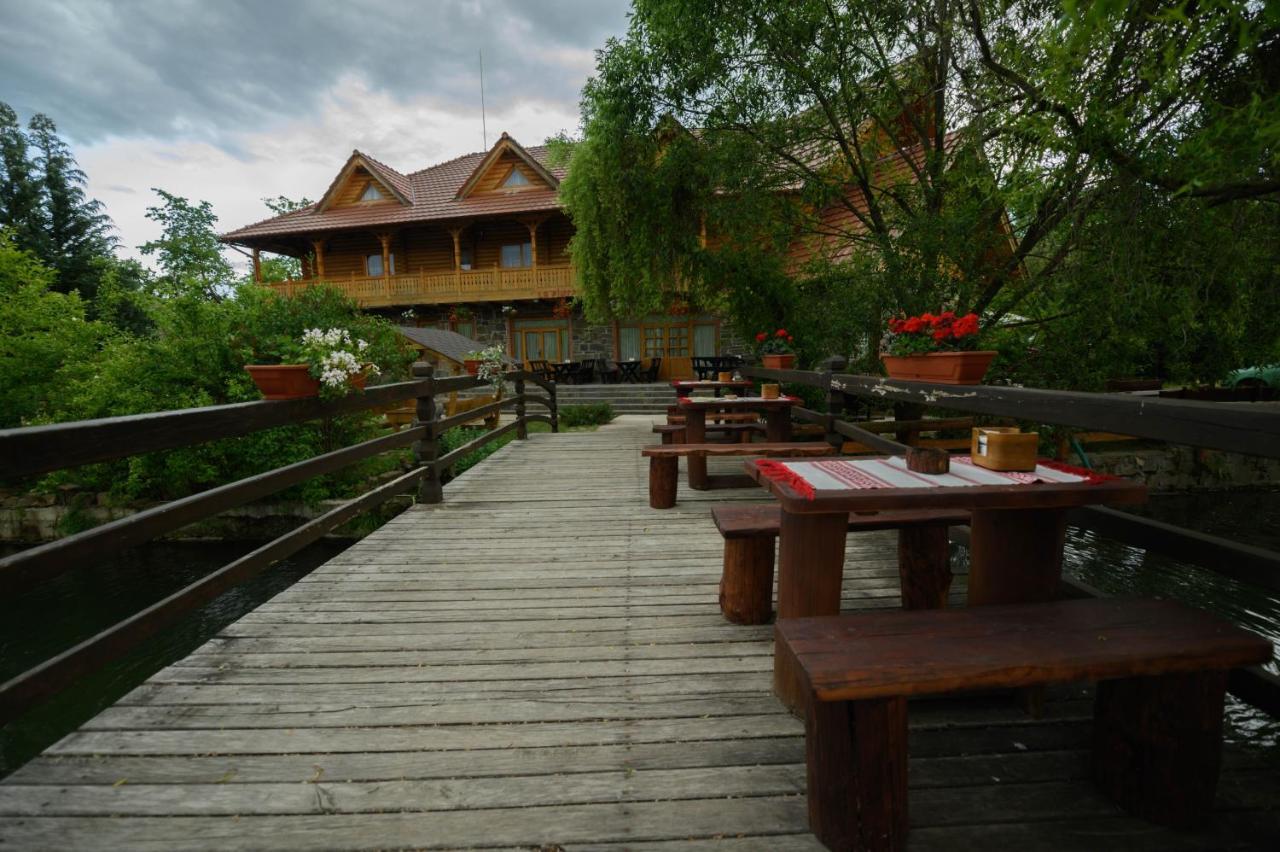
(592, 414)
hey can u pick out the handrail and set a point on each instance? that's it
(39, 449)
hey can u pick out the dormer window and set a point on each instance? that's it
(371, 193)
(515, 179)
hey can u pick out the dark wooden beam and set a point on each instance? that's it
(1231, 427)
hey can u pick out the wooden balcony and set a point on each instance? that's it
(436, 288)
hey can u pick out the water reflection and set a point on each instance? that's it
(80, 603)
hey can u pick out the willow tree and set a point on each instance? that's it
(899, 155)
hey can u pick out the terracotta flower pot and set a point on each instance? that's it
(472, 365)
(778, 362)
(943, 368)
(284, 381)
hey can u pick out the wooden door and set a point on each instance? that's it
(541, 344)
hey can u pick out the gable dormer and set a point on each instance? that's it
(507, 168)
(363, 180)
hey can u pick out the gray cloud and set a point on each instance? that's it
(210, 69)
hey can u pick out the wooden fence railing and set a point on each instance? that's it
(41, 449)
(1245, 428)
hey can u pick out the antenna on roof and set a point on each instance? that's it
(484, 128)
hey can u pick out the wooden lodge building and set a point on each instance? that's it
(477, 245)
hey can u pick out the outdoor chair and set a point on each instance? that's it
(585, 371)
(705, 368)
(540, 367)
(607, 371)
(651, 375)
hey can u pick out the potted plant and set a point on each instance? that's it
(940, 349)
(492, 366)
(776, 352)
(471, 361)
(327, 363)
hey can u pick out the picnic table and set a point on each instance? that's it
(684, 387)
(777, 413)
(1017, 529)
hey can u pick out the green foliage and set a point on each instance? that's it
(852, 162)
(590, 414)
(44, 206)
(187, 252)
(41, 332)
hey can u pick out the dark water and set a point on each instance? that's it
(1117, 569)
(49, 619)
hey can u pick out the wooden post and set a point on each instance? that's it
(456, 233)
(664, 473)
(835, 408)
(257, 266)
(810, 573)
(1157, 744)
(555, 411)
(924, 566)
(306, 266)
(427, 450)
(522, 427)
(532, 225)
(746, 583)
(318, 245)
(385, 239)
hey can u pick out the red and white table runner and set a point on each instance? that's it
(810, 477)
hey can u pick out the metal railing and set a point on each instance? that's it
(41, 449)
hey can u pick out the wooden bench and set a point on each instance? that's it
(746, 584)
(664, 462)
(717, 417)
(673, 433)
(1161, 669)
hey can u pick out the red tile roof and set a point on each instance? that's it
(431, 193)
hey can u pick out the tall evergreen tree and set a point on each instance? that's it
(20, 194)
(78, 232)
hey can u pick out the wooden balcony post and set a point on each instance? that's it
(319, 267)
(532, 225)
(257, 266)
(385, 239)
(456, 232)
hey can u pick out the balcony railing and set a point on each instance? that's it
(483, 285)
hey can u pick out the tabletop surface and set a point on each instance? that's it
(697, 384)
(737, 402)
(884, 482)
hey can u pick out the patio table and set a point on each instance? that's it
(684, 387)
(777, 413)
(629, 371)
(564, 371)
(1017, 529)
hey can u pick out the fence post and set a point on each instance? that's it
(427, 450)
(835, 399)
(522, 426)
(555, 411)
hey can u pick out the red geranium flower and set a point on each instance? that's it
(782, 332)
(790, 339)
(762, 337)
(913, 325)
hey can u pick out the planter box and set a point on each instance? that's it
(472, 365)
(778, 362)
(943, 368)
(284, 381)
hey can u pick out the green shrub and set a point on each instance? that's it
(593, 414)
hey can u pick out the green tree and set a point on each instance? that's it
(41, 331)
(20, 208)
(283, 267)
(77, 233)
(188, 252)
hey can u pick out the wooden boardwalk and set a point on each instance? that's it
(540, 663)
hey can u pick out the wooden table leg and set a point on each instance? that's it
(856, 767)
(924, 566)
(1015, 555)
(777, 425)
(746, 583)
(810, 573)
(1157, 745)
(695, 432)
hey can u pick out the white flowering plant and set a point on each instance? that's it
(335, 358)
(493, 364)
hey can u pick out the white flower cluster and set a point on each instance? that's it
(334, 357)
(493, 364)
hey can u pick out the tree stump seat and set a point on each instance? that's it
(746, 582)
(1160, 668)
(664, 462)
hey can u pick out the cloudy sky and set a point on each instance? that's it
(231, 101)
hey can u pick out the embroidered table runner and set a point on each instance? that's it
(809, 477)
